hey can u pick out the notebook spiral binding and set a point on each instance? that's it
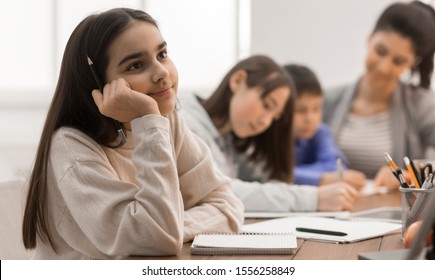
(245, 243)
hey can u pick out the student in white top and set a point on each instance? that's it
(247, 123)
(381, 112)
(92, 196)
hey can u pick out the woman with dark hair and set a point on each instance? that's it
(92, 196)
(247, 123)
(381, 112)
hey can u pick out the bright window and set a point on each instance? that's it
(201, 34)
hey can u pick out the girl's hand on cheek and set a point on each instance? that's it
(122, 103)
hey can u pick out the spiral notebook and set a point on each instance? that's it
(244, 244)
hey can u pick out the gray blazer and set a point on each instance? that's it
(412, 118)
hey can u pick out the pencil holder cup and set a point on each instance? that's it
(414, 203)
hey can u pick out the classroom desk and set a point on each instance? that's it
(313, 250)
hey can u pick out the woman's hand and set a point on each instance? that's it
(122, 103)
(354, 178)
(385, 177)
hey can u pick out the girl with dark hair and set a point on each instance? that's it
(382, 112)
(247, 123)
(91, 196)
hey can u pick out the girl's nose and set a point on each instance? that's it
(160, 72)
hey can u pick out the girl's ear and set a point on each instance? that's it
(237, 80)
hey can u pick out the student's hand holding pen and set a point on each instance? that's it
(335, 197)
(354, 178)
(385, 177)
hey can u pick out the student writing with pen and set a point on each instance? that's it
(383, 110)
(247, 123)
(318, 161)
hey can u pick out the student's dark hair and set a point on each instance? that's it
(272, 147)
(73, 106)
(415, 21)
(305, 80)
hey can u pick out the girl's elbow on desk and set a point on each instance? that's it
(170, 245)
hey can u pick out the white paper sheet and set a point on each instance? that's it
(355, 230)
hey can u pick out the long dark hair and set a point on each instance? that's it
(415, 21)
(73, 106)
(274, 147)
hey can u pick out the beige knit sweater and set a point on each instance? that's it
(144, 198)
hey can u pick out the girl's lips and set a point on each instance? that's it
(161, 93)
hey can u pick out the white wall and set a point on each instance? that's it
(328, 36)
(26, 49)
(201, 36)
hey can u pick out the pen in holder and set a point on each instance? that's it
(414, 203)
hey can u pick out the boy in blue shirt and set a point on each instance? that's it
(315, 149)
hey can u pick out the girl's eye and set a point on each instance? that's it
(266, 105)
(163, 54)
(135, 66)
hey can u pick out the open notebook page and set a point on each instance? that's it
(354, 230)
(270, 215)
(370, 189)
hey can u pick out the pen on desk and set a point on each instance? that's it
(321, 231)
(100, 86)
(411, 172)
(339, 169)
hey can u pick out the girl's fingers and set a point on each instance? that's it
(98, 98)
